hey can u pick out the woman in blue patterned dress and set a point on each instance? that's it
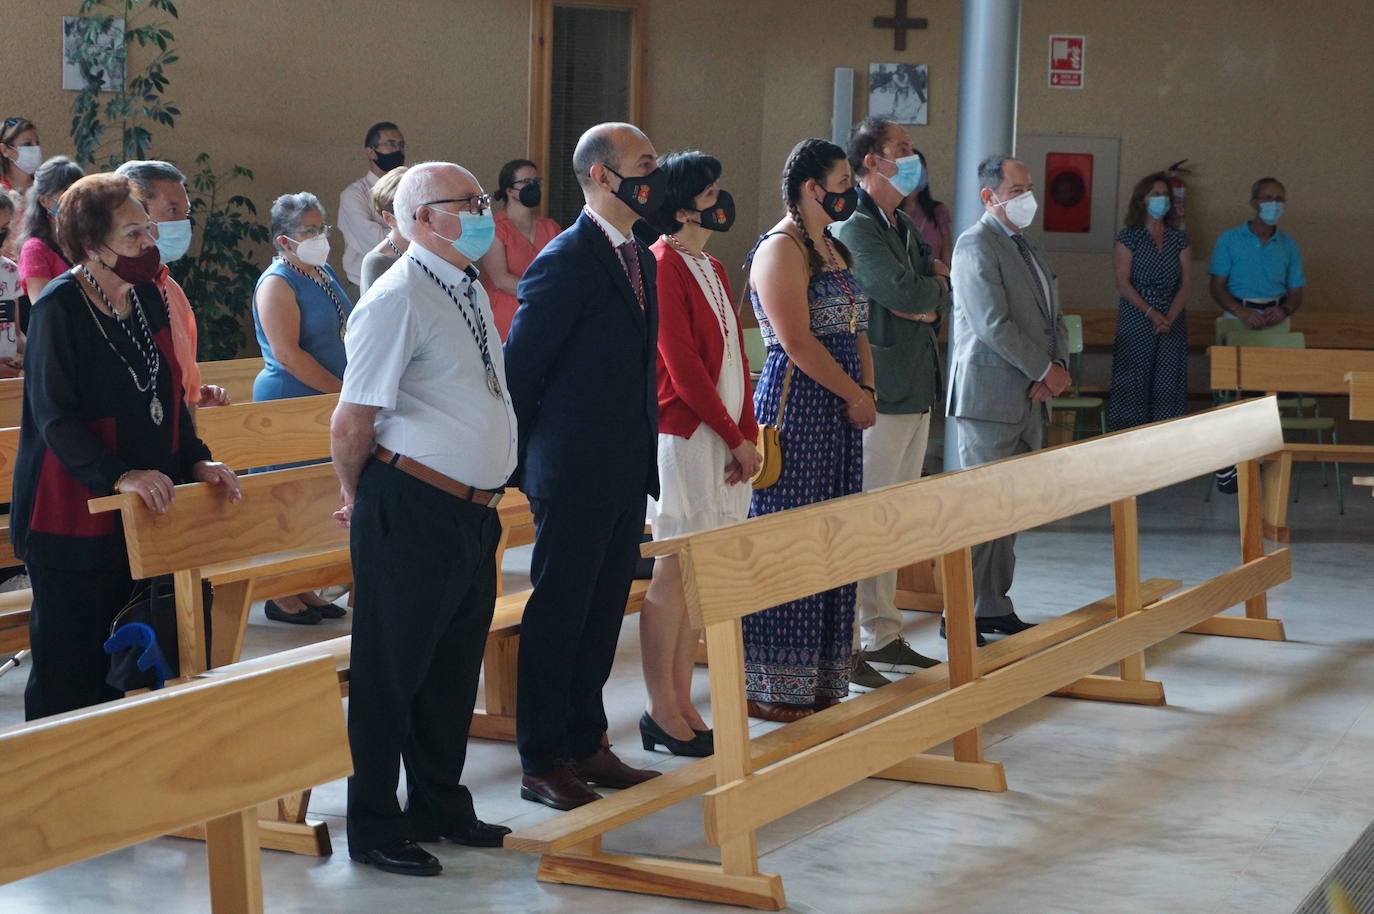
(814, 319)
(1155, 277)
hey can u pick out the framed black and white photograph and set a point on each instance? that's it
(899, 92)
(106, 52)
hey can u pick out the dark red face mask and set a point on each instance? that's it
(140, 269)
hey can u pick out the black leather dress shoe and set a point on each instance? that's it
(331, 611)
(559, 787)
(982, 642)
(472, 834)
(406, 859)
(1009, 624)
(605, 769)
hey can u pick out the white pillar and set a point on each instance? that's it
(989, 56)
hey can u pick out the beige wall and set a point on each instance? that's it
(1238, 87)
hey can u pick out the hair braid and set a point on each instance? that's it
(809, 160)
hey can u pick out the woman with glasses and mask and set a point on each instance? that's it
(40, 257)
(706, 433)
(300, 312)
(521, 234)
(817, 384)
(103, 412)
(20, 156)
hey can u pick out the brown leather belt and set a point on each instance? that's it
(486, 497)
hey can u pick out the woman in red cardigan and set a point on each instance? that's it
(706, 451)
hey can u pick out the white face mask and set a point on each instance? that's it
(313, 251)
(1020, 210)
(30, 157)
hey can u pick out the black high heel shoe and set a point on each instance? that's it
(651, 735)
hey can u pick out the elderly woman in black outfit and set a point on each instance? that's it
(103, 412)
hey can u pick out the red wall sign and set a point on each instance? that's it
(1066, 61)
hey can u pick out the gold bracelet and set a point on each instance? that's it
(119, 480)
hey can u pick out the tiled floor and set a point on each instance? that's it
(1236, 797)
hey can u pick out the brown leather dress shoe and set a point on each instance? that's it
(559, 787)
(604, 769)
(779, 712)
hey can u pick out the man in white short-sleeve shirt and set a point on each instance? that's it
(423, 439)
(362, 228)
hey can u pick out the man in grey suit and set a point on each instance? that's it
(1009, 356)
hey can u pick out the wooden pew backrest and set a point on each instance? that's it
(247, 435)
(234, 375)
(109, 776)
(202, 528)
(1307, 371)
(737, 570)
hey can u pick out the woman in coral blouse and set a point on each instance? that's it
(521, 234)
(706, 451)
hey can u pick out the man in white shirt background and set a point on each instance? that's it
(423, 439)
(385, 148)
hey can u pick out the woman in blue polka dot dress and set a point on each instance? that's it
(1154, 276)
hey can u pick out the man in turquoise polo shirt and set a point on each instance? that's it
(908, 290)
(1256, 269)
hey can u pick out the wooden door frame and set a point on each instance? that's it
(541, 67)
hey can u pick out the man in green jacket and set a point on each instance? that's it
(908, 292)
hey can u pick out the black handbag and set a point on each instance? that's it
(143, 636)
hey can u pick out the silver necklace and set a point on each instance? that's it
(478, 330)
(151, 356)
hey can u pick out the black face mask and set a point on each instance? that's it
(530, 195)
(643, 195)
(389, 160)
(721, 216)
(840, 207)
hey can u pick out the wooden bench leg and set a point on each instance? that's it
(228, 621)
(1256, 622)
(282, 825)
(235, 863)
(1130, 684)
(1277, 479)
(919, 588)
(496, 720)
(967, 768)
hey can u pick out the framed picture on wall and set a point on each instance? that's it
(101, 43)
(899, 92)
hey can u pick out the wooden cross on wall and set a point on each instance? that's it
(899, 22)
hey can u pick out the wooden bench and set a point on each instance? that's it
(1323, 329)
(234, 375)
(1238, 369)
(205, 751)
(734, 571)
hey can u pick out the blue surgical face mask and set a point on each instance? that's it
(910, 176)
(478, 234)
(1270, 211)
(173, 239)
(1158, 206)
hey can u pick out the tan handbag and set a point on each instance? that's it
(770, 440)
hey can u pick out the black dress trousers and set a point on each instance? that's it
(581, 569)
(68, 623)
(424, 573)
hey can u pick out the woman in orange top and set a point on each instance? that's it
(161, 188)
(521, 234)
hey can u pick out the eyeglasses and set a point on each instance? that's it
(523, 181)
(391, 146)
(477, 204)
(11, 121)
(314, 232)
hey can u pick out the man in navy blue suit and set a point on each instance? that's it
(580, 363)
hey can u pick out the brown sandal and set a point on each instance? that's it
(779, 712)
